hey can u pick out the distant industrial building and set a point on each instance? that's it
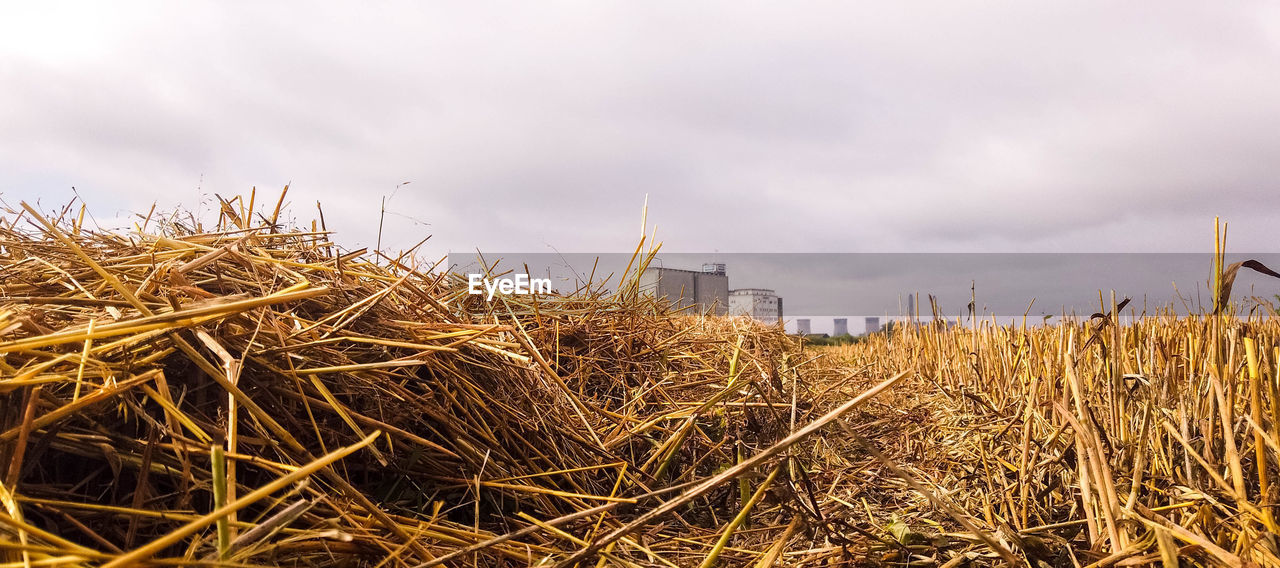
(758, 303)
(841, 326)
(803, 327)
(706, 291)
(873, 325)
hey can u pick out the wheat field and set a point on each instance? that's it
(251, 394)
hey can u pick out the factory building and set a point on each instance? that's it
(840, 326)
(705, 291)
(758, 303)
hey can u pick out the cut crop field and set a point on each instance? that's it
(250, 394)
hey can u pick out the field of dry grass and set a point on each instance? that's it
(1082, 443)
(250, 395)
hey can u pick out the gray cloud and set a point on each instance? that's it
(752, 126)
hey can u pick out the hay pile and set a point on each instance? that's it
(250, 395)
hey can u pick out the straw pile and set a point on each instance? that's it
(250, 395)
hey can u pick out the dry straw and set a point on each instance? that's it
(250, 394)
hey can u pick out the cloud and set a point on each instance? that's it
(752, 126)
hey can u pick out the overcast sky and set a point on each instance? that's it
(753, 127)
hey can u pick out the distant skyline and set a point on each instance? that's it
(751, 126)
(856, 285)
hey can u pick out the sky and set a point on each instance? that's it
(1004, 286)
(750, 126)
